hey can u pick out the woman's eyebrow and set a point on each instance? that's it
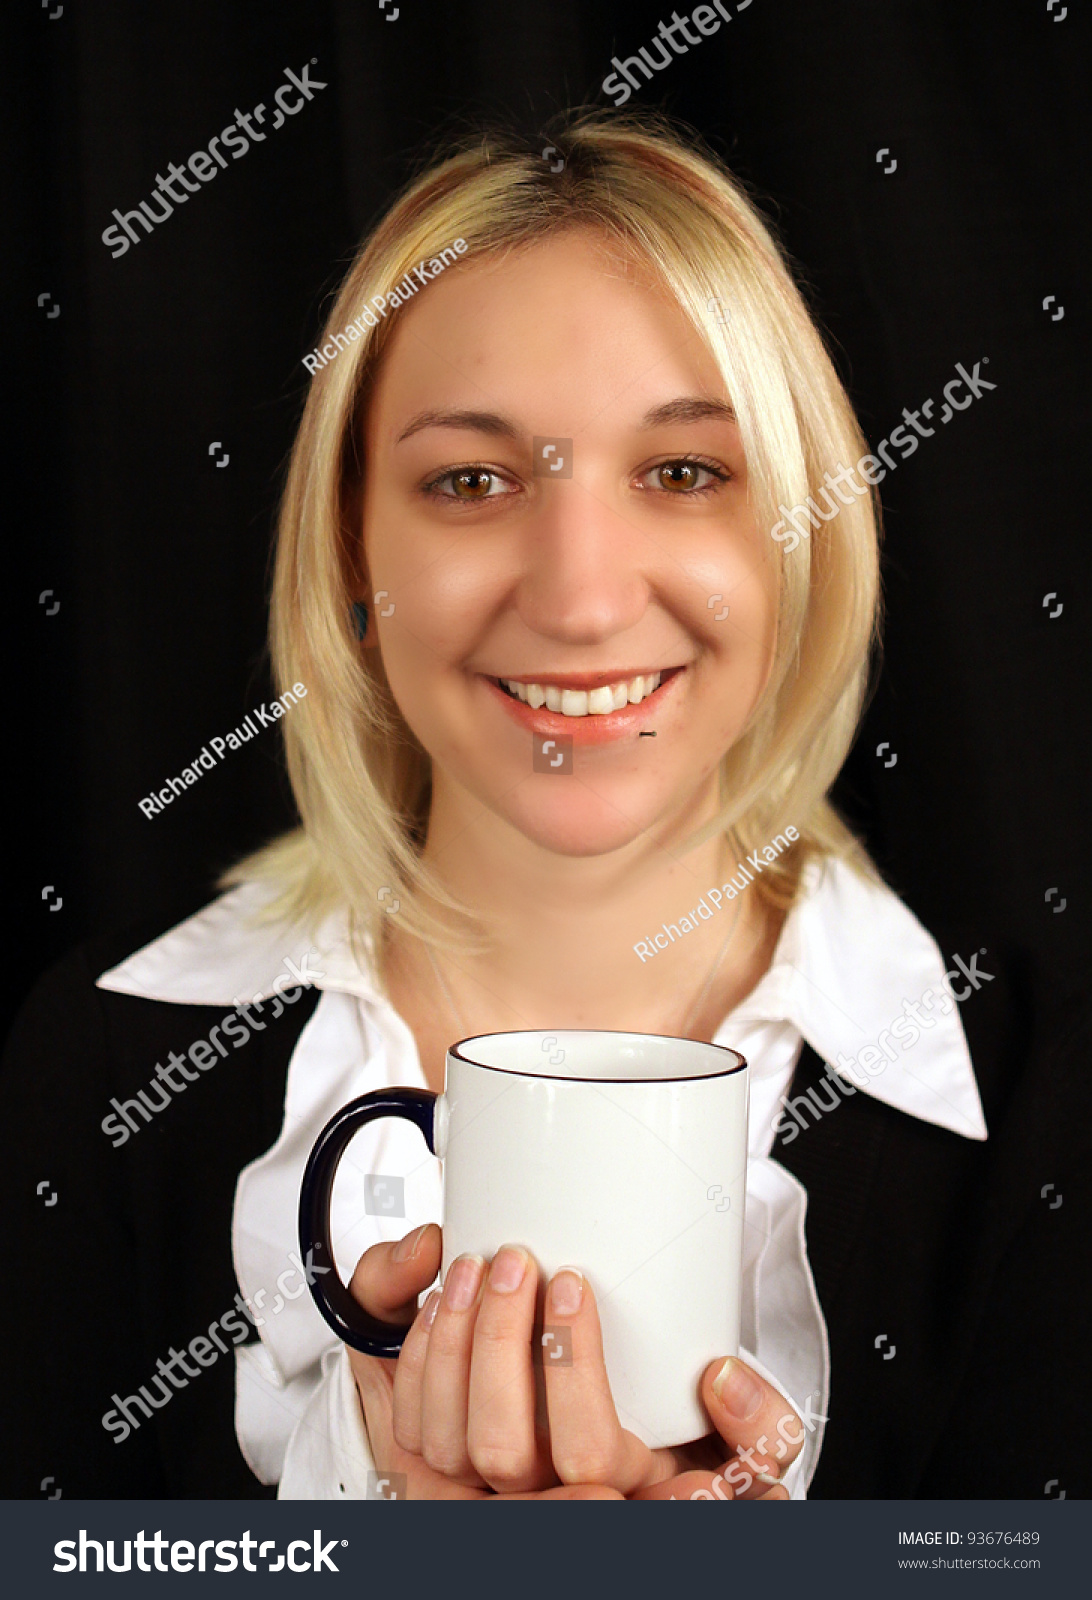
(688, 409)
(475, 421)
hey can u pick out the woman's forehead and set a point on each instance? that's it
(567, 321)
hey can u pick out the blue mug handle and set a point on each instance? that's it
(352, 1324)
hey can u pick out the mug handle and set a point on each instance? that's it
(352, 1324)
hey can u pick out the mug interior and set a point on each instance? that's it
(597, 1055)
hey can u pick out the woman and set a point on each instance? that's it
(537, 509)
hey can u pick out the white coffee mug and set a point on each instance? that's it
(621, 1154)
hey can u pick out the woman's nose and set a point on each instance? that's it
(584, 574)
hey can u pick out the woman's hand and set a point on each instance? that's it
(456, 1412)
(387, 1281)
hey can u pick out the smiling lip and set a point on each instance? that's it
(590, 730)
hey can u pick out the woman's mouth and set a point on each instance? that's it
(597, 702)
(593, 708)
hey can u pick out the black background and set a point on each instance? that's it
(160, 560)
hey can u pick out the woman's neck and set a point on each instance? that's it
(566, 927)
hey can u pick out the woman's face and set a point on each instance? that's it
(628, 550)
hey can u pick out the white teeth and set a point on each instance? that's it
(585, 702)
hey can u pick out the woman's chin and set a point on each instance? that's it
(579, 824)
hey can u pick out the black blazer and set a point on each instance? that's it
(946, 1246)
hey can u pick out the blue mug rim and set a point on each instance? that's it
(456, 1051)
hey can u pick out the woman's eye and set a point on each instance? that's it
(469, 483)
(687, 477)
(683, 478)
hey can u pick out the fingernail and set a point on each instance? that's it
(463, 1280)
(406, 1248)
(736, 1389)
(508, 1270)
(566, 1291)
(428, 1310)
(768, 1477)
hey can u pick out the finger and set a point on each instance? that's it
(445, 1385)
(745, 1476)
(386, 1282)
(753, 1417)
(389, 1277)
(391, 1461)
(374, 1384)
(409, 1374)
(587, 1441)
(500, 1429)
(374, 1380)
(692, 1485)
(752, 1475)
(700, 1455)
(377, 1381)
(566, 1491)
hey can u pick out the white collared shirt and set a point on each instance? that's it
(854, 974)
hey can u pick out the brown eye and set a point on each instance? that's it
(472, 483)
(686, 477)
(678, 475)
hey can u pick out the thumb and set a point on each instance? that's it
(389, 1277)
(753, 1417)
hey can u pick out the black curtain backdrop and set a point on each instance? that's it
(150, 639)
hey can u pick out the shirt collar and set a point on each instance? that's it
(859, 977)
(230, 951)
(852, 969)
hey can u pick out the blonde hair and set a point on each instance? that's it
(360, 777)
